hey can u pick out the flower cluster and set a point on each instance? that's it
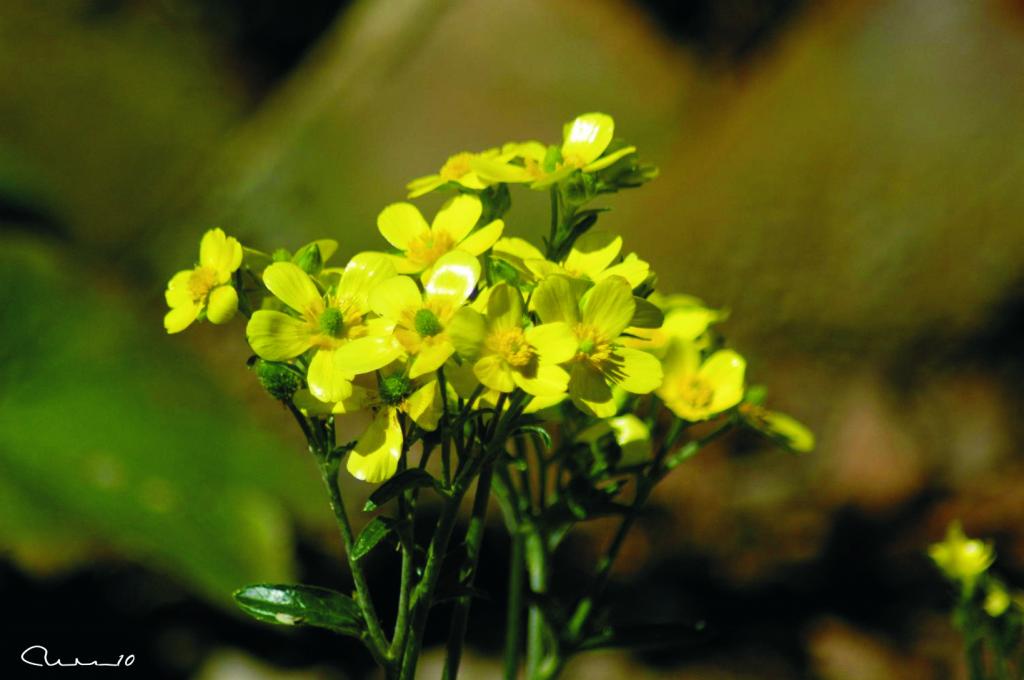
(456, 298)
(555, 369)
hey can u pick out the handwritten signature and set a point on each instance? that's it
(41, 659)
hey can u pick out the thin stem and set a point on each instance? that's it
(474, 539)
(537, 634)
(514, 612)
(446, 444)
(378, 644)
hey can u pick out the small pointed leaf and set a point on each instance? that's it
(372, 534)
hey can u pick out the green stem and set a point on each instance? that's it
(553, 231)
(377, 643)
(538, 660)
(474, 539)
(514, 613)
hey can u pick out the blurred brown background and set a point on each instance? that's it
(846, 177)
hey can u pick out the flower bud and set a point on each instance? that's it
(309, 259)
(280, 380)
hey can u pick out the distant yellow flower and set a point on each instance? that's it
(206, 288)
(584, 140)
(403, 226)
(696, 390)
(787, 430)
(997, 600)
(686, 320)
(597, 318)
(478, 171)
(960, 558)
(345, 343)
(379, 448)
(631, 434)
(421, 320)
(505, 353)
(592, 258)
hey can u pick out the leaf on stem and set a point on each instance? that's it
(293, 605)
(372, 534)
(413, 478)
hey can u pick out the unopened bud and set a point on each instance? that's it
(280, 380)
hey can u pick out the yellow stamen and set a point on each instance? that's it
(456, 167)
(201, 282)
(510, 344)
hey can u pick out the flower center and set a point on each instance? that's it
(201, 282)
(696, 392)
(456, 167)
(426, 323)
(424, 250)
(511, 345)
(394, 389)
(592, 346)
(332, 322)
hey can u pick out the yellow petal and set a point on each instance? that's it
(423, 185)
(472, 181)
(641, 372)
(689, 323)
(394, 296)
(180, 318)
(461, 378)
(587, 137)
(548, 381)
(424, 406)
(431, 357)
(221, 253)
(458, 216)
(310, 405)
(467, 330)
(724, 371)
(353, 403)
(608, 160)
(364, 272)
(454, 277)
(797, 436)
(632, 268)
(400, 223)
(555, 342)
(293, 286)
(516, 252)
(178, 293)
(329, 378)
(557, 298)
(609, 306)
(553, 177)
(275, 336)
(504, 308)
(633, 437)
(540, 403)
(495, 373)
(492, 169)
(367, 354)
(483, 238)
(375, 456)
(589, 391)
(222, 305)
(593, 253)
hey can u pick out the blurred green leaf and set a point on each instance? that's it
(293, 605)
(112, 436)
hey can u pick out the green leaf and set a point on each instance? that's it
(412, 478)
(293, 605)
(646, 636)
(372, 534)
(688, 451)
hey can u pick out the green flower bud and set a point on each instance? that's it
(281, 255)
(280, 380)
(394, 389)
(309, 259)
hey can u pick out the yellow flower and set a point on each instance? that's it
(631, 434)
(960, 558)
(591, 259)
(421, 320)
(597, 318)
(787, 430)
(997, 600)
(505, 354)
(422, 246)
(686, 320)
(206, 288)
(379, 448)
(477, 171)
(584, 140)
(696, 390)
(332, 324)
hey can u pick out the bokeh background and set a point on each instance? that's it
(846, 177)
